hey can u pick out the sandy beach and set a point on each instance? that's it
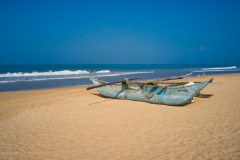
(72, 123)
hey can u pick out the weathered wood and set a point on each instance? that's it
(105, 84)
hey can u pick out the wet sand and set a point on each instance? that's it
(72, 123)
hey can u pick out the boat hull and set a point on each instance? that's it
(172, 95)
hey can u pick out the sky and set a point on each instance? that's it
(120, 32)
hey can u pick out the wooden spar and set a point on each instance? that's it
(167, 79)
(160, 81)
(182, 82)
(176, 82)
(101, 85)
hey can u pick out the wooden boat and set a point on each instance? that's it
(149, 92)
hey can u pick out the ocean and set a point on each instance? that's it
(28, 77)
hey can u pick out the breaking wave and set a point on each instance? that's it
(232, 67)
(188, 74)
(218, 69)
(49, 73)
(103, 71)
(61, 75)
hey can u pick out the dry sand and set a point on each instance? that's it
(72, 123)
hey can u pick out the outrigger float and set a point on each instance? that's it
(173, 93)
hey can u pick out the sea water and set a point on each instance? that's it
(26, 77)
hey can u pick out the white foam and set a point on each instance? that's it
(220, 68)
(49, 73)
(42, 76)
(217, 70)
(187, 74)
(103, 71)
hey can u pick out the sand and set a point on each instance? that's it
(72, 123)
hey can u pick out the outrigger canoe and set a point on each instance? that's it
(169, 95)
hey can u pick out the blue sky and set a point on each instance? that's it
(150, 32)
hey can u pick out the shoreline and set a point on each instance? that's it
(73, 123)
(145, 80)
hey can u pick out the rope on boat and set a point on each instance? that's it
(100, 101)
